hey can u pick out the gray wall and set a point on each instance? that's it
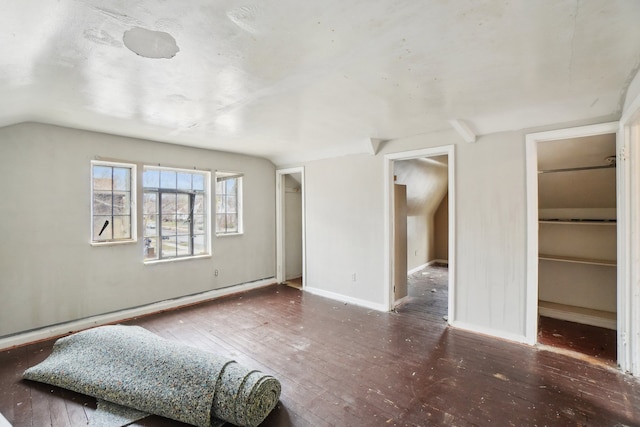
(344, 203)
(48, 271)
(345, 227)
(50, 274)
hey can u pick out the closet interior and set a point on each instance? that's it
(577, 230)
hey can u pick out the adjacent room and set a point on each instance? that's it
(320, 213)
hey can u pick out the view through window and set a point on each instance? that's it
(174, 209)
(228, 203)
(112, 190)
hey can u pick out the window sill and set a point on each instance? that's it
(119, 242)
(228, 234)
(185, 258)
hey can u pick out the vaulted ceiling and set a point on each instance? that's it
(291, 80)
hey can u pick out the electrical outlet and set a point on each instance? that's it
(215, 273)
(353, 277)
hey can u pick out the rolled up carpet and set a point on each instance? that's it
(132, 367)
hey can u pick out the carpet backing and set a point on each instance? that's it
(134, 368)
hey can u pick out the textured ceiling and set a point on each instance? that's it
(292, 80)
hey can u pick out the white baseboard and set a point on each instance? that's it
(522, 339)
(346, 299)
(427, 264)
(418, 268)
(103, 319)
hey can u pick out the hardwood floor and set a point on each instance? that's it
(589, 340)
(342, 365)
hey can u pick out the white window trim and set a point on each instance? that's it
(208, 192)
(182, 258)
(134, 209)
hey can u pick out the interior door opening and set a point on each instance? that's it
(421, 224)
(577, 244)
(290, 235)
(574, 245)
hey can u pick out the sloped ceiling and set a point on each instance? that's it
(292, 80)
(427, 183)
(589, 188)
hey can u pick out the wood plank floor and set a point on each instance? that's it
(342, 365)
(590, 340)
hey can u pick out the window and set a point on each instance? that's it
(228, 203)
(112, 196)
(175, 212)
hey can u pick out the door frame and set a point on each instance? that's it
(281, 224)
(629, 175)
(389, 220)
(622, 199)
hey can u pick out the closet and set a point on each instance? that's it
(400, 283)
(577, 230)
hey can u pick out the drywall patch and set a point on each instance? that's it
(150, 44)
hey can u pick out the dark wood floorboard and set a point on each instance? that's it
(342, 365)
(586, 339)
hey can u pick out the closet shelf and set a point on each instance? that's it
(603, 319)
(578, 169)
(578, 221)
(578, 214)
(575, 260)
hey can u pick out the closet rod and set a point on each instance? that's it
(584, 168)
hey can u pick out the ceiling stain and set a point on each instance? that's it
(150, 44)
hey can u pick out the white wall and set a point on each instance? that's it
(633, 93)
(490, 233)
(345, 227)
(48, 271)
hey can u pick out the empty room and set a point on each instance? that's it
(360, 213)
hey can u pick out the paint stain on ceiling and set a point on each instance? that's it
(150, 44)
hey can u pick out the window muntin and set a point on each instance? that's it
(112, 201)
(228, 203)
(174, 211)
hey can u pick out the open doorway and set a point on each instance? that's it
(290, 254)
(573, 274)
(577, 244)
(421, 188)
(420, 256)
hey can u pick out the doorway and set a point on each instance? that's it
(572, 286)
(290, 253)
(421, 232)
(425, 179)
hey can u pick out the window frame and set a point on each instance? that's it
(159, 191)
(132, 203)
(220, 175)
